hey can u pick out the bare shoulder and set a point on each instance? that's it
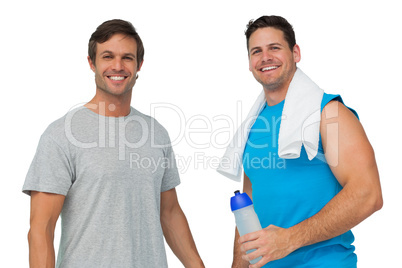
(340, 125)
(346, 146)
(338, 121)
(336, 110)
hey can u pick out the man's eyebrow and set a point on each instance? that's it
(269, 45)
(254, 48)
(106, 52)
(130, 54)
(125, 54)
(275, 44)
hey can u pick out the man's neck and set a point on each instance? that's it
(110, 105)
(273, 97)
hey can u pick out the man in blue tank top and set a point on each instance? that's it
(306, 206)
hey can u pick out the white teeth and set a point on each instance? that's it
(117, 78)
(269, 68)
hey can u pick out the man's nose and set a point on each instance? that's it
(117, 64)
(266, 56)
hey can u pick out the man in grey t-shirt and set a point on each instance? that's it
(109, 171)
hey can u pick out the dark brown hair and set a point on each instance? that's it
(109, 28)
(276, 22)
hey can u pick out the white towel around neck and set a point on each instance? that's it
(300, 125)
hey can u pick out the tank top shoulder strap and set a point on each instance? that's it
(326, 98)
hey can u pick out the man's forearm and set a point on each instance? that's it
(347, 209)
(350, 206)
(178, 236)
(41, 249)
(238, 262)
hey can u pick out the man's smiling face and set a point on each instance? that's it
(115, 65)
(271, 60)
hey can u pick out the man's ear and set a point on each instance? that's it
(91, 64)
(139, 67)
(296, 53)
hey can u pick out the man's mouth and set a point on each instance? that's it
(117, 78)
(269, 68)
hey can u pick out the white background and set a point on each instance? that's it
(196, 59)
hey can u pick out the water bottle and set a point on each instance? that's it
(245, 216)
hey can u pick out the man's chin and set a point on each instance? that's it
(116, 91)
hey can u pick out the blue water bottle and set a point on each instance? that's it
(245, 216)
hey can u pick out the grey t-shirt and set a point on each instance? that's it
(112, 172)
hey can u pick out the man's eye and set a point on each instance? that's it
(107, 57)
(256, 51)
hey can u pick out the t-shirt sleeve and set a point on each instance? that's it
(171, 176)
(50, 170)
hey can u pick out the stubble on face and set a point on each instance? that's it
(103, 86)
(276, 84)
(271, 61)
(116, 65)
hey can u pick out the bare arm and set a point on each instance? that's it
(238, 262)
(351, 159)
(177, 231)
(45, 210)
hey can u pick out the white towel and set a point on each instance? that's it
(300, 125)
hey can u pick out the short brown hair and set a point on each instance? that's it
(276, 22)
(109, 28)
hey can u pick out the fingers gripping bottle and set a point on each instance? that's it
(245, 216)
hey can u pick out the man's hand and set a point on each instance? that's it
(272, 243)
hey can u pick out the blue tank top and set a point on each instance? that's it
(288, 191)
